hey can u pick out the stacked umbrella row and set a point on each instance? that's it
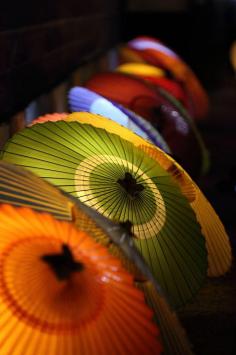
(103, 233)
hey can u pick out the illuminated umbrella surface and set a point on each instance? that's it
(151, 104)
(82, 99)
(217, 241)
(195, 131)
(156, 53)
(145, 71)
(62, 293)
(142, 69)
(55, 116)
(124, 184)
(20, 187)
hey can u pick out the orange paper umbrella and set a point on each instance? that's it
(140, 97)
(62, 293)
(20, 187)
(49, 117)
(154, 52)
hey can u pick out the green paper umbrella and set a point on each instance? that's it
(125, 184)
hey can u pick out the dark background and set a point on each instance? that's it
(41, 43)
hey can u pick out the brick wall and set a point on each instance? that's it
(41, 42)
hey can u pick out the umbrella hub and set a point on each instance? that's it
(127, 226)
(63, 264)
(130, 185)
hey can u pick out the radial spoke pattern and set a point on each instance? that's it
(89, 162)
(20, 187)
(82, 99)
(174, 337)
(95, 309)
(217, 241)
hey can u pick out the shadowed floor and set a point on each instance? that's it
(210, 320)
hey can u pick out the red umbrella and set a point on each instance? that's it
(156, 53)
(140, 97)
(170, 85)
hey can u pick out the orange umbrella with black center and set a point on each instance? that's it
(62, 293)
(20, 187)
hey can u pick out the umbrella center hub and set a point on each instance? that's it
(130, 185)
(63, 264)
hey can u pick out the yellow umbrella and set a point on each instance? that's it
(141, 69)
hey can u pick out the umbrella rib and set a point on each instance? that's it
(186, 241)
(181, 256)
(44, 145)
(99, 133)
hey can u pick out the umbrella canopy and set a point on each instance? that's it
(155, 53)
(197, 135)
(217, 241)
(137, 95)
(177, 345)
(14, 180)
(144, 71)
(232, 55)
(20, 187)
(55, 116)
(145, 42)
(124, 184)
(173, 335)
(88, 293)
(82, 99)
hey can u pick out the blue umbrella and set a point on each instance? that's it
(82, 99)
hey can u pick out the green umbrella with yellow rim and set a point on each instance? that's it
(125, 184)
(217, 241)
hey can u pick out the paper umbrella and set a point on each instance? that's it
(82, 99)
(61, 292)
(20, 187)
(125, 184)
(49, 117)
(146, 72)
(217, 241)
(156, 53)
(177, 130)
